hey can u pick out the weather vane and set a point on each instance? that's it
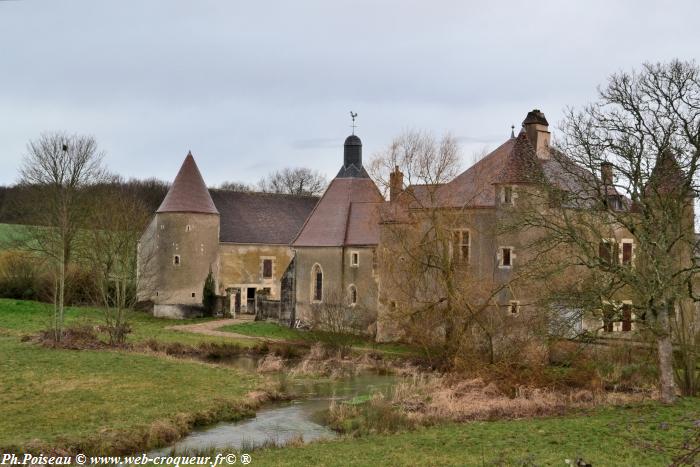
(353, 115)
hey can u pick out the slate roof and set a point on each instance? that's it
(347, 214)
(261, 218)
(188, 192)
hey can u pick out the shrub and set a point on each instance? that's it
(18, 276)
(209, 294)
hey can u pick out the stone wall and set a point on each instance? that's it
(184, 247)
(338, 275)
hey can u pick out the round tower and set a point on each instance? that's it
(187, 243)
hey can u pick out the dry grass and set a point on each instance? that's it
(326, 361)
(270, 364)
(428, 399)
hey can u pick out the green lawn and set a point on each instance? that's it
(606, 437)
(48, 394)
(275, 331)
(21, 316)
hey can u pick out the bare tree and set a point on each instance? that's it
(627, 167)
(59, 168)
(432, 293)
(109, 246)
(294, 181)
(236, 186)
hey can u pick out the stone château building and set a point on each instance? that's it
(242, 238)
(308, 254)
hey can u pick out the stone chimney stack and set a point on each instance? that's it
(537, 129)
(606, 173)
(395, 184)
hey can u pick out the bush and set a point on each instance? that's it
(18, 276)
(209, 294)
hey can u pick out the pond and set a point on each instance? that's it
(283, 422)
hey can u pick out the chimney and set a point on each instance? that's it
(395, 184)
(537, 129)
(606, 173)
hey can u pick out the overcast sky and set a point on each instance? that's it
(260, 85)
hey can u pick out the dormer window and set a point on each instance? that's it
(614, 202)
(507, 195)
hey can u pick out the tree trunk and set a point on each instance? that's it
(667, 386)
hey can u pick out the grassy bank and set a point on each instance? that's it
(69, 398)
(623, 436)
(275, 331)
(107, 400)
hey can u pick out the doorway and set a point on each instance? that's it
(250, 300)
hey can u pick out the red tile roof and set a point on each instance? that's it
(188, 193)
(363, 224)
(474, 187)
(338, 219)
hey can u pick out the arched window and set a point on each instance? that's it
(316, 283)
(352, 295)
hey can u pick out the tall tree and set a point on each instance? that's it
(58, 168)
(628, 164)
(294, 181)
(109, 246)
(424, 256)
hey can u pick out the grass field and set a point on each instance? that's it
(50, 395)
(275, 331)
(110, 401)
(627, 437)
(21, 316)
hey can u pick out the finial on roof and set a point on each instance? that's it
(189, 153)
(353, 115)
(512, 131)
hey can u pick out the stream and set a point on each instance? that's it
(282, 422)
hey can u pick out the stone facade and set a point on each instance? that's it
(242, 238)
(244, 272)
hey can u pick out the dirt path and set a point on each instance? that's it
(209, 328)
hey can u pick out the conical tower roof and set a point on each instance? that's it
(188, 193)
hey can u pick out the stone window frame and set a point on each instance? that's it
(508, 195)
(500, 256)
(614, 259)
(272, 268)
(517, 307)
(314, 271)
(188, 228)
(623, 242)
(459, 254)
(354, 254)
(177, 260)
(352, 295)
